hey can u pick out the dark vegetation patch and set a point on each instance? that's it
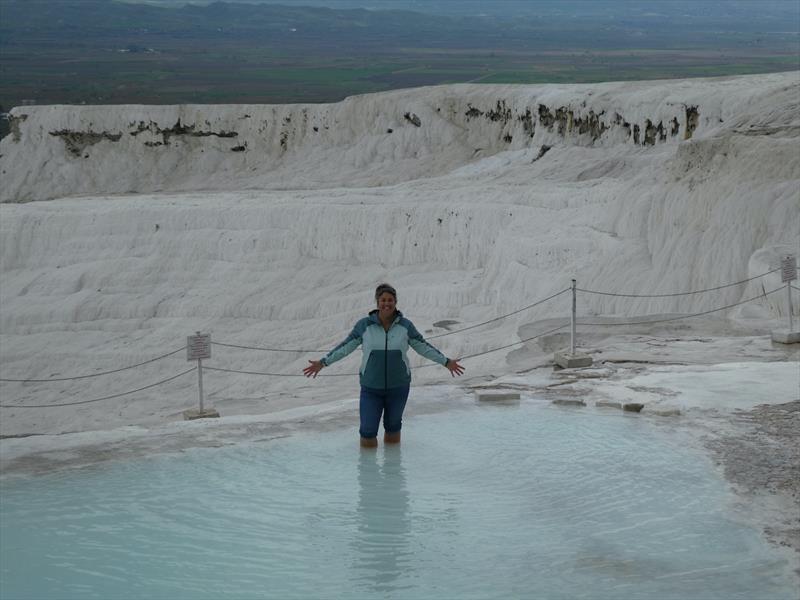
(77, 141)
(542, 151)
(692, 119)
(413, 119)
(178, 130)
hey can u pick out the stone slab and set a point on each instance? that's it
(664, 412)
(608, 404)
(566, 360)
(784, 336)
(564, 402)
(195, 413)
(497, 396)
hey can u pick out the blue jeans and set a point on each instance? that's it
(389, 402)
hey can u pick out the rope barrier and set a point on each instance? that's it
(243, 347)
(265, 349)
(647, 322)
(99, 399)
(515, 343)
(417, 367)
(564, 291)
(96, 374)
(719, 287)
(274, 374)
(687, 316)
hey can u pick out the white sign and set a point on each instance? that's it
(788, 268)
(198, 346)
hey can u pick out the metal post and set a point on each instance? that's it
(200, 381)
(574, 309)
(788, 275)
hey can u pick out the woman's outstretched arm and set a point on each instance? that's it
(426, 349)
(350, 343)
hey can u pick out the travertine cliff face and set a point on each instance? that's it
(371, 140)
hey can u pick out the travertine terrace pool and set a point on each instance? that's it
(525, 500)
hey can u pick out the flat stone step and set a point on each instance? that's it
(565, 402)
(497, 396)
(664, 412)
(608, 404)
(784, 336)
(566, 360)
(196, 413)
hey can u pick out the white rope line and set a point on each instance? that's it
(516, 343)
(96, 374)
(647, 322)
(428, 338)
(719, 287)
(414, 368)
(265, 349)
(760, 296)
(468, 356)
(147, 387)
(565, 290)
(205, 368)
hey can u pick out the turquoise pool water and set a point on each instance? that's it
(492, 502)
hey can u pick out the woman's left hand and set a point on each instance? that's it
(454, 367)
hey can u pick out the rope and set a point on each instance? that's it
(502, 347)
(565, 290)
(274, 374)
(96, 374)
(719, 287)
(259, 348)
(514, 344)
(688, 316)
(794, 287)
(649, 322)
(418, 367)
(502, 316)
(98, 399)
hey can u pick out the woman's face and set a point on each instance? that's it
(386, 304)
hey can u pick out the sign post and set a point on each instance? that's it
(198, 347)
(788, 274)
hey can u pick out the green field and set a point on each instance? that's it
(97, 51)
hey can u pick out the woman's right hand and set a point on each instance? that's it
(312, 369)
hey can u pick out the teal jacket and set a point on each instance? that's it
(384, 364)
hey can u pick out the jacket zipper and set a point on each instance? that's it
(386, 362)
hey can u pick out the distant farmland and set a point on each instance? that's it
(95, 51)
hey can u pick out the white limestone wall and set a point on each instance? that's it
(59, 151)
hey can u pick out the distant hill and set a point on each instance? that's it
(747, 13)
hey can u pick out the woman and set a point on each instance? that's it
(384, 375)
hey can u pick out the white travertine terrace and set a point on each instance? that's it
(126, 228)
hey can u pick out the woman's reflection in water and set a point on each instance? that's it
(384, 526)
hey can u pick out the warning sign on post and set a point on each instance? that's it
(788, 268)
(198, 346)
